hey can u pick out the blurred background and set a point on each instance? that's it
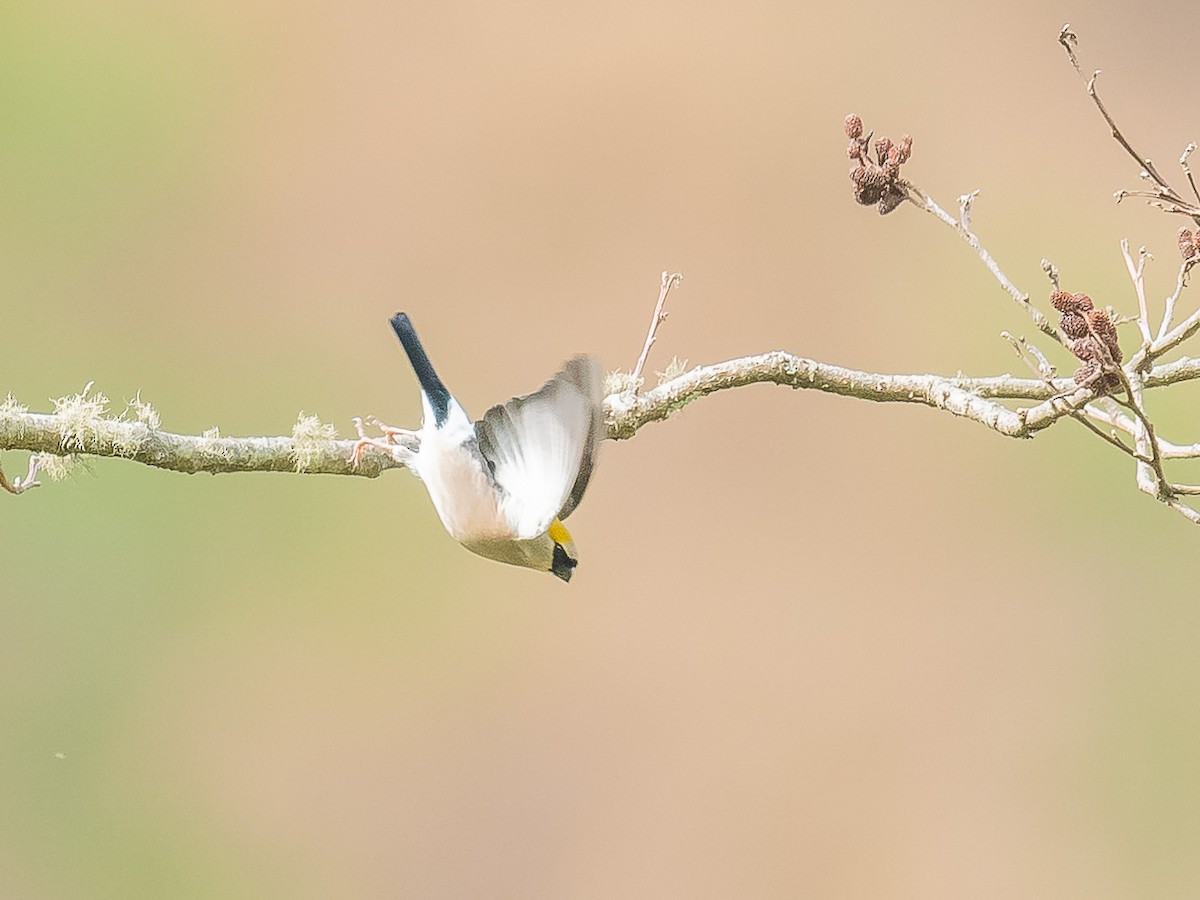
(816, 647)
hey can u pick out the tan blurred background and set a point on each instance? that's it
(816, 647)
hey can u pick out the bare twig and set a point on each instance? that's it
(1070, 41)
(5, 484)
(932, 207)
(1109, 437)
(1178, 451)
(1183, 509)
(1150, 476)
(1137, 275)
(1169, 306)
(965, 202)
(1160, 200)
(1187, 170)
(20, 485)
(1051, 271)
(1171, 339)
(1042, 368)
(1119, 420)
(1039, 365)
(669, 280)
(1165, 196)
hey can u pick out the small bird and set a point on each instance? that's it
(503, 485)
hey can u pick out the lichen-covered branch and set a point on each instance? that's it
(970, 398)
(48, 433)
(83, 425)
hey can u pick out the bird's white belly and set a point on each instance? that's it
(463, 496)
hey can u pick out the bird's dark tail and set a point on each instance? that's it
(439, 397)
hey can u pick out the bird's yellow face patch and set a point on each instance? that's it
(559, 534)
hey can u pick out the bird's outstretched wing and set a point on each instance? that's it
(541, 447)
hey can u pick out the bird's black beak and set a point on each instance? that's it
(562, 565)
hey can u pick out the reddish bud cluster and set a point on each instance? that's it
(1189, 243)
(877, 181)
(1092, 337)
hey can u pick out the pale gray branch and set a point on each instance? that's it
(1169, 306)
(976, 399)
(187, 453)
(970, 398)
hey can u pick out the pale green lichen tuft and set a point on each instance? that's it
(209, 444)
(618, 382)
(126, 442)
(80, 417)
(309, 440)
(132, 433)
(144, 413)
(674, 369)
(56, 468)
(10, 408)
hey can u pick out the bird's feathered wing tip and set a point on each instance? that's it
(541, 448)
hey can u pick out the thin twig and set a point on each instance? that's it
(1168, 449)
(669, 280)
(1150, 475)
(932, 207)
(1178, 451)
(1183, 509)
(1169, 306)
(1051, 271)
(1042, 368)
(1109, 437)
(1174, 337)
(1070, 41)
(1039, 365)
(20, 485)
(1046, 370)
(1145, 441)
(1137, 275)
(1159, 200)
(965, 202)
(1187, 170)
